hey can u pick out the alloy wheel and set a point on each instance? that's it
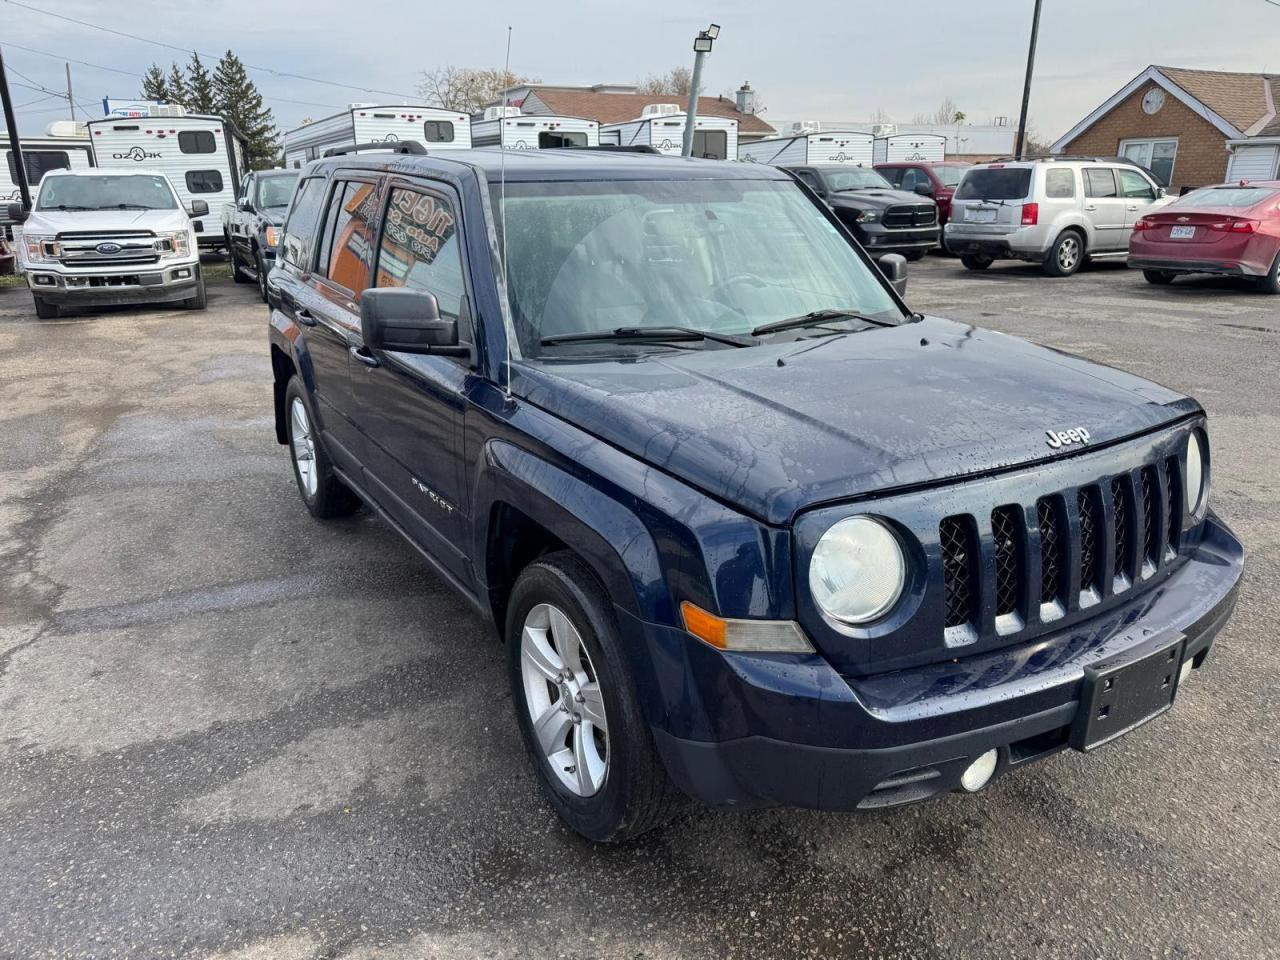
(304, 446)
(1068, 253)
(565, 702)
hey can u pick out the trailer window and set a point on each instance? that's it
(38, 163)
(438, 131)
(551, 139)
(204, 181)
(296, 246)
(711, 144)
(196, 141)
(346, 250)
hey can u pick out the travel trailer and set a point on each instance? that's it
(926, 147)
(528, 132)
(203, 157)
(838, 146)
(65, 146)
(661, 126)
(435, 128)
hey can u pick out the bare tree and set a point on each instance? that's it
(1035, 144)
(466, 89)
(920, 118)
(948, 112)
(881, 116)
(675, 83)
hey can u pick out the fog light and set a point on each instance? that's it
(43, 280)
(979, 772)
(181, 274)
(1185, 670)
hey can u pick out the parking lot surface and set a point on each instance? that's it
(227, 730)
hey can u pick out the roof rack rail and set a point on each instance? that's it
(616, 148)
(395, 146)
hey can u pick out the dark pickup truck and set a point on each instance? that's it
(750, 529)
(252, 224)
(884, 219)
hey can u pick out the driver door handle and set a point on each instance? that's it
(1091, 206)
(305, 317)
(364, 356)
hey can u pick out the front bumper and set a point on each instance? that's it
(740, 730)
(149, 284)
(877, 238)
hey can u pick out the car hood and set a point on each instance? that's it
(55, 221)
(874, 198)
(847, 416)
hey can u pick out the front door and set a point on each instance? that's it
(1140, 197)
(410, 406)
(1105, 209)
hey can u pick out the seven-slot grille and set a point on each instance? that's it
(911, 215)
(1128, 528)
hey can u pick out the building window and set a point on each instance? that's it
(196, 141)
(438, 131)
(204, 181)
(1156, 155)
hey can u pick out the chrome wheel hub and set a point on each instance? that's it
(303, 445)
(565, 702)
(1068, 253)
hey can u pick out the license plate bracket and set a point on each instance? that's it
(980, 215)
(1125, 692)
(1182, 233)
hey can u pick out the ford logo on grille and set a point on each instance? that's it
(108, 249)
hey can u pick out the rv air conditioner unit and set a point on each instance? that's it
(497, 113)
(67, 129)
(806, 126)
(661, 110)
(884, 129)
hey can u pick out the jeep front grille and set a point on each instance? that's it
(1085, 539)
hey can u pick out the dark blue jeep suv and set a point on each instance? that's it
(750, 529)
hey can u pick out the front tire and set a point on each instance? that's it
(324, 495)
(914, 255)
(975, 261)
(262, 279)
(576, 705)
(44, 309)
(236, 269)
(1065, 256)
(201, 298)
(1159, 277)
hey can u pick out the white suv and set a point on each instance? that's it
(1057, 211)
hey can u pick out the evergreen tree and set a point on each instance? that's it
(177, 88)
(238, 100)
(154, 86)
(200, 86)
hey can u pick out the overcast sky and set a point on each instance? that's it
(843, 60)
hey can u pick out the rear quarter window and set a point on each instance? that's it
(1059, 184)
(995, 183)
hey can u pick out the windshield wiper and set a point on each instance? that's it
(646, 333)
(70, 206)
(815, 317)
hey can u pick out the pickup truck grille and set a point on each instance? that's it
(910, 215)
(80, 248)
(1125, 529)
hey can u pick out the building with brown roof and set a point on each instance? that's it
(618, 103)
(1190, 127)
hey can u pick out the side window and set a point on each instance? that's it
(1059, 184)
(1099, 182)
(345, 253)
(296, 246)
(910, 177)
(895, 175)
(196, 141)
(204, 181)
(1135, 186)
(811, 179)
(420, 249)
(246, 188)
(438, 131)
(38, 163)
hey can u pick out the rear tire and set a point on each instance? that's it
(1159, 277)
(572, 691)
(975, 261)
(1065, 256)
(1271, 282)
(46, 310)
(324, 495)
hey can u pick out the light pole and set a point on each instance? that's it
(15, 142)
(1026, 85)
(701, 47)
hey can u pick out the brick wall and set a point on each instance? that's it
(1202, 154)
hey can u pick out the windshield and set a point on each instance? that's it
(949, 174)
(1239, 197)
(140, 191)
(276, 192)
(855, 180)
(722, 256)
(995, 183)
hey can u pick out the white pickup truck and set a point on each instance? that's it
(100, 237)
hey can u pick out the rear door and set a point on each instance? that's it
(989, 200)
(410, 406)
(1105, 208)
(1140, 198)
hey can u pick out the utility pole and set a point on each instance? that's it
(15, 144)
(701, 47)
(70, 101)
(1026, 86)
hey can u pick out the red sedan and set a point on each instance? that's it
(1232, 229)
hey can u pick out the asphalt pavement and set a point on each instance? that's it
(227, 730)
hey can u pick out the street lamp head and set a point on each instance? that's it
(702, 43)
(713, 31)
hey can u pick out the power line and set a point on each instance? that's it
(207, 56)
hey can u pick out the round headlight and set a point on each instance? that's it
(1197, 476)
(858, 571)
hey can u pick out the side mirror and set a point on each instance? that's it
(246, 206)
(407, 321)
(1160, 193)
(894, 268)
(925, 189)
(18, 213)
(199, 208)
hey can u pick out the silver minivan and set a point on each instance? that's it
(1056, 211)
